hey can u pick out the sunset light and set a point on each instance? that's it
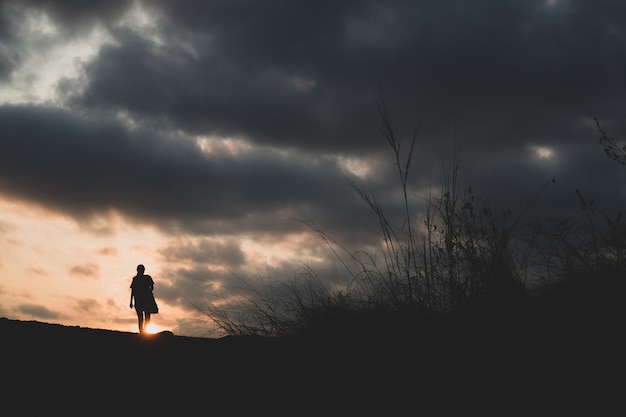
(153, 328)
(215, 143)
(351, 206)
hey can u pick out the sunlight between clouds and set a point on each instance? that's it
(543, 153)
(44, 56)
(217, 146)
(361, 167)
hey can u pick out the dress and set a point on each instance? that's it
(142, 290)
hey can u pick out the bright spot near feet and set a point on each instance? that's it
(153, 328)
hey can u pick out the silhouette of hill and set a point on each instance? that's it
(64, 370)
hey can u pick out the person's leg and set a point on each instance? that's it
(140, 320)
(146, 320)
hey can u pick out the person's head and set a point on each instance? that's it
(140, 269)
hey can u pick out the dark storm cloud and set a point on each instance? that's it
(499, 76)
(294, 75)
(70, 14)
(9, 54)
(70, 17)
(189, 288)
(209, 251)
(186, 287)
(85, 166)
(213, 95)
(8, 59)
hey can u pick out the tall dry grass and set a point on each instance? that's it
(457, 256)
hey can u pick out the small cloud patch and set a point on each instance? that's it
(543, 153)
(108, 251)
(38, 311)
(87, 270)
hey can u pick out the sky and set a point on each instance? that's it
(199, 138)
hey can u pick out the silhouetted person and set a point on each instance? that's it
(141, 290)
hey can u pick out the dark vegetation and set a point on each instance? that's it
(459, 265)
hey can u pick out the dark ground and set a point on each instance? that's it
(62, 371)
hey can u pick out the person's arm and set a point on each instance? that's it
(132, 294)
